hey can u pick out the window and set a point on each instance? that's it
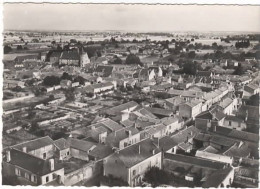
(134, 172)
(47, 179)
(68, 153)
(33, 178)
(17, 172)
(44, 155)
(27, 176)
(229, 123)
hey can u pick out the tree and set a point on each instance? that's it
(239, 70)
(156, 176)
(80, 79)
(191, 54)
(7, 49)
(189, 68)
(117, 60)
(69, 94)
(19, 47)
(133, 59)
(66, 76)
(51, 80)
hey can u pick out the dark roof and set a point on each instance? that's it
(182, 135)
(216, 178)
(117, 109)
(61, 144)
(159, 111)
(196, 161)
(31, 163)
(213, 114)
(233, 118)
(55, 54)
(115, 137)
(34, 144)
(70, 55)
(106, 70)
(167, 143)
(101, 151)
(238, 151)
(81, 144)
(223, 141)
(236, 134)
(130, 156)
(203, 73)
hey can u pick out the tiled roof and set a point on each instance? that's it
(222, 141)
(34, 144)
(167, 143)
(155, 129)
(81, 144)
(238, 151)
(115, 137)
(101, 151)
(236, 134)
(216, 178)
(159, 111)
(122, 107)
(70, 55)
(130, 156)
(196, 161)
(61, 144)
(31, 163)
(225, 103)
(106, 70)
(182, 135)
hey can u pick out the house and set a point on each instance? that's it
(122, 138)
(42, 148)
(84, 59)
(193, 168)
(160, 112)
(70, 58)
(30, 169)
(63, 148)
(252, 89)
(228, 105)
(86, 150)
(55, 57)
(155, 131)
(174, 103)
(145, 74)
(99, 88)
(190, 109)
(234, 122)
(209, 118)
(123, 109)
(132, 162)
(104, 71)
(13, 83)
(172, 124)
(222, 178)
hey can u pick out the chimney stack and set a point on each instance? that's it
(8, 156)
(139, 149)
(25, 149)
(51, 164)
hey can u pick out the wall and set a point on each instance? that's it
(131, 140)
(201, 124)
(49, 150)
(185, 111)
(234, 125)
(140, 168)
(53, 176)
(214, 157)
(79, 154)
(18, 99)
(76, 176)
(114, 166)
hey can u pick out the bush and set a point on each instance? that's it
(156, 176)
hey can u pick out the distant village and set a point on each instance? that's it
(131, 109)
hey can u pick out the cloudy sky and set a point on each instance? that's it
(131, 17)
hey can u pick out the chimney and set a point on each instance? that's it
(139, 149)
(25, 149)
(8, 156)
(153, 151)
(246, 115)
(51, 164)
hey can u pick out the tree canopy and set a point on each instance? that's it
(133, 59)
(156, 176)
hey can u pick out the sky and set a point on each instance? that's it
(131, 17)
